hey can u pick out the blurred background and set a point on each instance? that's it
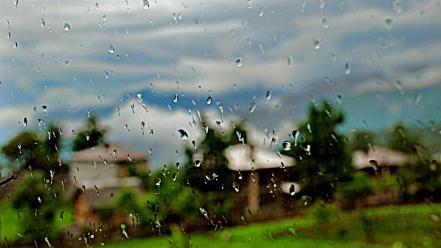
(223, 123)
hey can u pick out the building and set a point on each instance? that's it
(262, 186)
(380, 160)
(98, 174)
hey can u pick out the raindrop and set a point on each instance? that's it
(316, 44)
(252, 107)
(398, 8)
(286, 145)
(204, 213)
(111, 49)
(268, 94)
(197, 163)
(139, 97)
(183, 134)
(399, 86)
(66, 26)
(45, 238)
(347, 68)
(43, 22)
(325, 22)
(262, 50)
(44, 107)
(62, 215)
(238, 61)
(292, 189)
(146, 4)
(176, 98)
(236, 187)
(209, 99)
(25, 122)
(388, 23)
(290, 61)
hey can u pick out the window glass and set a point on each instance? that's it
(256, 123)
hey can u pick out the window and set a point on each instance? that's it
(240, 122)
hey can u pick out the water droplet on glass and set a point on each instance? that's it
(47, 242)
(388, 23)
(197, 163)
(316, 44)
(347, 68)
(292, 189)
(290, 61)
(146, 4)
(111, 49)
(209, 99)
(286, 145)
(139, 97)
(183, 134)
(268, 94)
(398, 8)
(25, 122)
(238, 61)
(43, 22)
(44, 107)
(252, 107)
(325, 22)
(236, 187)
(204, 213)
(66, 26)
(176, 98)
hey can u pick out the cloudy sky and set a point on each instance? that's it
(158, 61)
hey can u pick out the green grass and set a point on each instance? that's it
(9, 222)
(392, 226)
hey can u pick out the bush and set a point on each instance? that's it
(360, 186)
(324, 213)
(37, 203)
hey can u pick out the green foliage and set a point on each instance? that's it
(28, 149)
(213, 173)
(323, 212)
(362, 140)
(400, 138)
(90, 135)
(37, 203)
(360, 186)
(321, 152)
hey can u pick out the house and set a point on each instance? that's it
(379, 160)
(261, 186)
(98, 174)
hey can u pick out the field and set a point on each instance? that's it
(9, 228)
(393, 226)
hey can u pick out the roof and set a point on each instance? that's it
(113, 152)
(382, 156)
(241, 158)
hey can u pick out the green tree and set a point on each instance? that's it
(321, 152)
(400, 138)
(90, 135)
(37, 152)
(207, 167)
(37, 203)
(362, 140)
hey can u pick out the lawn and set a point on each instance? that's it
(9, 221)
(392, 226)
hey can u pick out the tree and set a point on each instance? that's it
(362, 140)
(207, 167)
(401, 139)
(37, 203)
(90, 135)
(321, 152)
(31, 150)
